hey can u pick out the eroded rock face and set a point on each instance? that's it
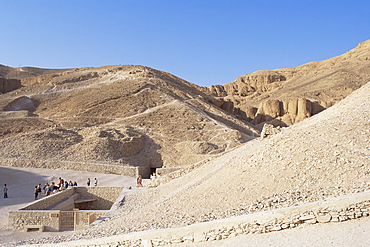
(132, 145)
(112, 143)
(255, 83)
(288, 111)
(316, 85)
(8, 85)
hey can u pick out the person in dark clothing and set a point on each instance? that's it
(5, 191)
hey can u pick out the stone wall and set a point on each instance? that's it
(46, 211)
(76, 166)
(50, 201)
(104, 196)
(332, 210)
(19, 220)
(87, 217)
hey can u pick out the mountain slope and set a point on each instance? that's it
(128, 116)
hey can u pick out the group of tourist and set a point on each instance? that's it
(48, 189)
(51, 188)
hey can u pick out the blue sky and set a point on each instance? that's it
(204, 42)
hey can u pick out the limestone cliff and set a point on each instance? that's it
(293, 94)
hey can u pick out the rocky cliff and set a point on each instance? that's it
(287, 96)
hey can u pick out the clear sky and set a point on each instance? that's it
(202, 41)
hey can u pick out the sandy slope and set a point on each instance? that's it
(325, 156)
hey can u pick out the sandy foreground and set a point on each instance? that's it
(21, 182)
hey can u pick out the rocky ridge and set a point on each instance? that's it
(287, 96)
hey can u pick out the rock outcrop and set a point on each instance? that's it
(8, 85)
(317, 85)
(269, 130)
(21, 103)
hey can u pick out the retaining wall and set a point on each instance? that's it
(332, 210)
(50, 201)
(19, 220)
(77, 166)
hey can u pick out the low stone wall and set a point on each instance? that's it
(332, 210)
(104, 196)
(50, 201)
(19, 220)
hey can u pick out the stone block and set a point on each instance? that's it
(276, 228)
(343, 218)
(311, 221)
(285, 226)
(334, 219)
(323, 218)
(307, 217)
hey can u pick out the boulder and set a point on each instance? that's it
(268, 130)
(21, 103)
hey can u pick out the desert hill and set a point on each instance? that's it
(321, 157)
(139, 119)
(133, 119)
(289, 95)
(128, 116)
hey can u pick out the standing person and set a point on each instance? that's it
(37, 191)
(139, 181)
(5, 191)
(66, 184)
(46, 189)
(96, 182)
(88, 181)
